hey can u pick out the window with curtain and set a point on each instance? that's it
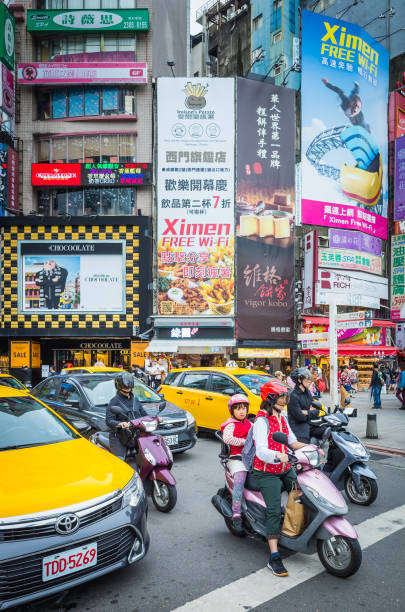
(74, 44)
(93, 43)
(128, 102)
(109, 147)
(75, 149)
(44, 105)
(59, 105)
(127, 147)
(76, 102)
(110, 99)
(44, 151)
(110, 41)
(91, 101)
(111, 4)
(92, 148)
(59, 150)
(92, 4)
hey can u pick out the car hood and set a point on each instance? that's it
(171, 411)
(57, 475)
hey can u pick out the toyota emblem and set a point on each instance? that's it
(67, 524)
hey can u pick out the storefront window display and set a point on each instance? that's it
(87, 358)
(91, 201)
(89, 148)
(85, 102)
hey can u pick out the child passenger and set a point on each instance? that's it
(234, 433)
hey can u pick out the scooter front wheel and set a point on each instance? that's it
(340, 556)
(367, 494)
(164, 496)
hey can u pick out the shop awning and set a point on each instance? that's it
(356, 349)
(162, 346)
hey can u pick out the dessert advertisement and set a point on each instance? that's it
(264, 211)
(195, 196)
(344, 126)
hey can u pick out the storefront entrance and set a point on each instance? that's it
(88, 358)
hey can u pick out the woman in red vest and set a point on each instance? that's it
(234, 433)
(270, 465)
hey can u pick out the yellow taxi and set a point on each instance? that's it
(69, 511)
(6, 380)
(205, 392)
(89, 370)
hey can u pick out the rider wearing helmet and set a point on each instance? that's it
(123, 408)
(270, 465)
(234, 433)
(300, 410)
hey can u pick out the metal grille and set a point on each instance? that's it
(23, 576)
(182, 444)
(12, 534)
(172, 424)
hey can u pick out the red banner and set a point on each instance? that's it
(56, 175)
(12, 180)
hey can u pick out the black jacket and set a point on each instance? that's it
(124, 409)
(376, 380)
(299, 423)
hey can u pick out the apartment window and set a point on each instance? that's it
(89, 4)
(277, 37)
(90, 148)
(85, 102)
(257, 22)
(88, 45)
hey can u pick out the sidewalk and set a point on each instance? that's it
(390, 420)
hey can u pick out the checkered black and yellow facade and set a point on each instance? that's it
(138, 271)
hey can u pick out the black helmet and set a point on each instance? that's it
(299, 374)
(124, 381)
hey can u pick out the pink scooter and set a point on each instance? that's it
(326, 531)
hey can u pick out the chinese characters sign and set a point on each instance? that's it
(398, 277)
(79, 72)
(399, 194)
(264, 207)
(195, 196)
(344, 128)
(6, 37)
(131, 20)
(357, 241)
(6, 90)
(128, 173)
(8, 177)
(349, 260)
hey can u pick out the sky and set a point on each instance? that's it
(194, 5)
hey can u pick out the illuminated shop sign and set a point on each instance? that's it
(129, 20)
(82, 72)
(56, 175)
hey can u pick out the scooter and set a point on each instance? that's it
(153, 460)
(347, 459)
(326, 531)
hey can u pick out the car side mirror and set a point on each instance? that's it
(280, 437)
(81, 427)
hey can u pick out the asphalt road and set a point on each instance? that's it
(192, 554)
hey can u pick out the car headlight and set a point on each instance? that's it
(190, 419)
(358, 448)
(133, 492)
(313, 457)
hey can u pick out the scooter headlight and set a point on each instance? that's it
(150, 426)
(149, 456)
(133, 492)
(313, 457)
(319, 497)
(358, 448)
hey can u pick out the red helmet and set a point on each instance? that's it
(238, 398)
(271, 390)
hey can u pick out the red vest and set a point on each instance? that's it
(274, 425)
(241, 430)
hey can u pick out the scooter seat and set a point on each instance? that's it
(251, 482)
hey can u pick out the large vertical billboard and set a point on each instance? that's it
(398, 277)
(344, 126)
(195, 196)
(264, 211)
(6, 37)
(399, 182)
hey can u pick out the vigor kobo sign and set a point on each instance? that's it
(130, 20)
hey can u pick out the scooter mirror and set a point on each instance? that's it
(280, 437)
(162, 405)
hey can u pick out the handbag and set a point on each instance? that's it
(294, 518)
(127, 437)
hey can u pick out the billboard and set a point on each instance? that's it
(398, 277)
(396, 115)
(356, 241)
(399, 184)
(6, 90)
(264, 211)
(310, 268)
(195, 196)
(92, 174)
(347, 259)
(12, 179)
(7, 38)
(82, 72)
(344, 128)
(345, 285)
(79, 276)
(128, 20)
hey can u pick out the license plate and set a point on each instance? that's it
(69, 561)
(172, 440)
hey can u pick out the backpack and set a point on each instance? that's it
(249, 450)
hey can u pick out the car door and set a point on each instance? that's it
(191, 395)
(221, 388)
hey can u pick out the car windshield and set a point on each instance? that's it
(11, 382)
(25, 422)
(254, 381)
(101, 389)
